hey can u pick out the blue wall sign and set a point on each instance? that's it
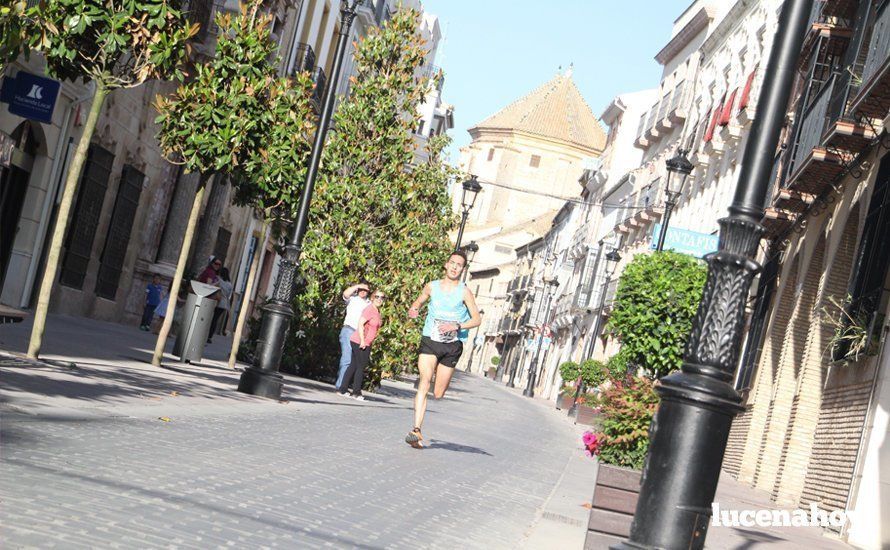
(685, 241)
(30, 96)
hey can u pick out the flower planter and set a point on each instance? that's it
(565, 401)
(587, 416)
(492, 373)
(615, 496)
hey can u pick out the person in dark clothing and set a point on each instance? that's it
(224, 297)
(153, 295)
(368, 326)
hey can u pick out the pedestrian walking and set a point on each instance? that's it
(153, 296)
(369, 324)
(223, 303)
(356, 298)
(451, 312)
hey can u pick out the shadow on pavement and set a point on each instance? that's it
(755, 538)
(456, 447)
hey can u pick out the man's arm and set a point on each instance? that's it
(424, 295)
(352, 290)
(475, 316)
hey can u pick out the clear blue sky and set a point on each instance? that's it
(496, 51)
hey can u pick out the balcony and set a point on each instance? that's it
(831, 26)
(814, 166)
(304, 59)
(611, 291)
(677, 110)
(578, 247)
(873, 99)
(321, 80)
(643, 207)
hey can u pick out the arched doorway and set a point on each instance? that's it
(14, 176)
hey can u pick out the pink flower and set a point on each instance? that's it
(587, 453)
(588, 438)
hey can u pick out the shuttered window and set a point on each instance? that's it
(90, 197)
(118, 240)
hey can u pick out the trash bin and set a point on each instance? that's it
(197, 314)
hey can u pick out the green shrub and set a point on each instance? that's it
(569, 371)
(617, 365)
(593, 373)
(496, 360)
(657, 297)
(627, 407)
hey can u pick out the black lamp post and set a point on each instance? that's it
(467, 200)
(550, 289)
(471, 249)
(691, 426)
(678, 170)
(262, 378)
(612, 259)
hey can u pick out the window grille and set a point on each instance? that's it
(118, 240)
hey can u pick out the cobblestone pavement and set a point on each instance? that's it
(130, 457)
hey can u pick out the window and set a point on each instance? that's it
(491, 153)
(535, 161)
(118, 240)
(90, 198)
(502, 249)
(420, 127)
(221, 248)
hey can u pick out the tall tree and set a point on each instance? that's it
(374, 215)
(113, 45)
(214, 122)
(275, 173)
(15, 26)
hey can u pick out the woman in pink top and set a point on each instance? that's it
(368, 327)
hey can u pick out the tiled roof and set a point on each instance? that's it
(554, 110)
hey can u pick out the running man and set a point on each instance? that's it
(451, 313)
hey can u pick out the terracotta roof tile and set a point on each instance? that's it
(554, 110)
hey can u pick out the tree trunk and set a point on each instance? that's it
(248, 290)
(68, 194)
(205, 237)
(180, 269)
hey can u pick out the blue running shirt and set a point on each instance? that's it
(445, 307)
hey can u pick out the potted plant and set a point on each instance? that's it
(492, 371)
(593, 374)
(620, 445)
(856, 334)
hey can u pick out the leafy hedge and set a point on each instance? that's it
(627, 407)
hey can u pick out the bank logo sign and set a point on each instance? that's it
(30, 96)
(685, 241)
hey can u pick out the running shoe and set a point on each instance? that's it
(358, 397)
(414, 438)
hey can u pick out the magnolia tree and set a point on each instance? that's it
(214, 122)
(273, 177)
(113, 45)
(15, 27)
(374, 215)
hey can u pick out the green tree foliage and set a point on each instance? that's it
(593, 373)
(373, 215)
(657, 298)
(222, 116)
(627, 407)
(113, 45)
(569, 371)
(16, 24)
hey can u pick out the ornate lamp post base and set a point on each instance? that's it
(262, 384)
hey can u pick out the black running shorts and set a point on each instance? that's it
(447, 353)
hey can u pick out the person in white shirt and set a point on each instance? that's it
(356, 298)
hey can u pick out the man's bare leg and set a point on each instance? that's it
(426, 366)
(443, 380)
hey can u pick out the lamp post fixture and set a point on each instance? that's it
(471, 249)
(467, 200)
(262, 378)
(691, 426)
(678, 170)
(550, 289)
(612, 259)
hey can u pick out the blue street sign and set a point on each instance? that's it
(30, 96)
(685, 241)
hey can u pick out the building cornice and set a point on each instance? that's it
(696, 24)
(725, 27)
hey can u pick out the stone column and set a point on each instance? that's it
(205, 236)
(177, 218)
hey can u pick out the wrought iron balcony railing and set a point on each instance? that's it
(879, 45)
(812, 126)
(304, 59)
(321, 81)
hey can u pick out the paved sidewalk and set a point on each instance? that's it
(115, 453)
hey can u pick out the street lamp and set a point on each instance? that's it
(471, 249)
(262, 378)
(612, 259)
(550, 289)
(691, 426)
(678, 170)
(467, 200)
